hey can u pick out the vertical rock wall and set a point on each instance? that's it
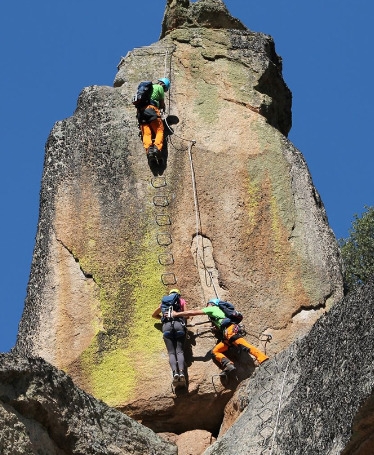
(235, 205)
(316, 397)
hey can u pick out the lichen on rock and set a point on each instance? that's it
(97, 273)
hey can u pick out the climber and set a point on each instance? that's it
(174, 333)
(230, 335)
(150, 121)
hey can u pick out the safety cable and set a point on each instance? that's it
(210, 273)
(166, 59)
(268, 337)
(197, 214)
(197, 219)
(176, 135)
(279, 404)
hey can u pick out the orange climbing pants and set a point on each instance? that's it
(224, 345)
(153, 132)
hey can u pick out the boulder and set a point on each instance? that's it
(43, 412)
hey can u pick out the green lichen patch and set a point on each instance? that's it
(113, 377)
(271, 214)
(271, 164)
(206, 103)
(125, 350)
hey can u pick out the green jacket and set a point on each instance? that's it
(216, 314)
(158, 96)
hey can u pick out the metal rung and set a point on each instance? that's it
(165, 259)
(266, 433)
(168, 279)
(164, 239)
(163, 220)
(158, 182)
(160, 201)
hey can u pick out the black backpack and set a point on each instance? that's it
(143, 94)
(232, 316)
(169, 303)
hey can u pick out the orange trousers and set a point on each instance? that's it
(224, 345)
(153, 132)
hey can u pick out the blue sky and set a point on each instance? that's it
(52, 50)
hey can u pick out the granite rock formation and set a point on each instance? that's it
(234, 211)
(205, 13)
(316, 397)
(43, 412)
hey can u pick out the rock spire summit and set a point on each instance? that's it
(203, 13)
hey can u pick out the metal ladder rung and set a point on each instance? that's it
(163, 220)
(164, 239)
(160, 201)
(166, 259)
(158, 182)
(166, 281)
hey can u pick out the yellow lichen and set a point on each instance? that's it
(113, 375)
(116, 361)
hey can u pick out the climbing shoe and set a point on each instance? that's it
(175, 378)
(182, 379)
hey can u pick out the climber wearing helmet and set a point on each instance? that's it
(165, 83)
(151, 124)
(174, 332)
(230, 335)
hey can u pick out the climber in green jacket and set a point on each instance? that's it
(153, 129)
(230, 337)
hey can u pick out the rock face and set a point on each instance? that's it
(42, 412)
(233, 212)
(316, 397)
(205, 13)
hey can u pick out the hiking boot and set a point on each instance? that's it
(152, 152)
(229, 367)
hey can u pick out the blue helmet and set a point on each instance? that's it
(213, 302)
(166, 82)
